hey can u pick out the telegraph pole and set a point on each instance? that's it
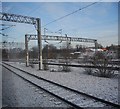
(39, 43)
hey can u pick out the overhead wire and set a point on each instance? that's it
(7, 27)
(3, 34)
(5, 24)
(67, 16)
(70, 14)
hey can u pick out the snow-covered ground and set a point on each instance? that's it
(105, 88)
(20, 93)
(0, 87)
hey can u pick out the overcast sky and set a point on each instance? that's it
(100, 21)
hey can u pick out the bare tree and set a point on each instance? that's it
(100, 59)
(66, 56)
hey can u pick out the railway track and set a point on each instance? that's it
(80, 65)
(76, 99)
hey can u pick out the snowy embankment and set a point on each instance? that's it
(105, 88)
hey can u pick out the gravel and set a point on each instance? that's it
(105, 88)
(19, 93)
(0, 87)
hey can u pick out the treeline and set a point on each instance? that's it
(49, 51)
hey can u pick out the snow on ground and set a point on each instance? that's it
(0, 87)
(20, 93)
(106, 88)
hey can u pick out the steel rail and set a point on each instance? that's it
(75, 106)
(84, 66)
(82, 93)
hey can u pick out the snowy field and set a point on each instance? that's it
(105, 88)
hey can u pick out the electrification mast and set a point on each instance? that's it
(28, 20)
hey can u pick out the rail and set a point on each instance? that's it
(48, 85)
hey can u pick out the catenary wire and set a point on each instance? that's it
(69, 14)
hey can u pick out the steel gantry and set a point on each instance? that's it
(29, 37)
(17, 18)
(60, 38)
(28, 20)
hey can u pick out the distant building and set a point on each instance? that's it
(113, 54)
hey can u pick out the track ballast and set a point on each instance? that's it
(73, 97)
